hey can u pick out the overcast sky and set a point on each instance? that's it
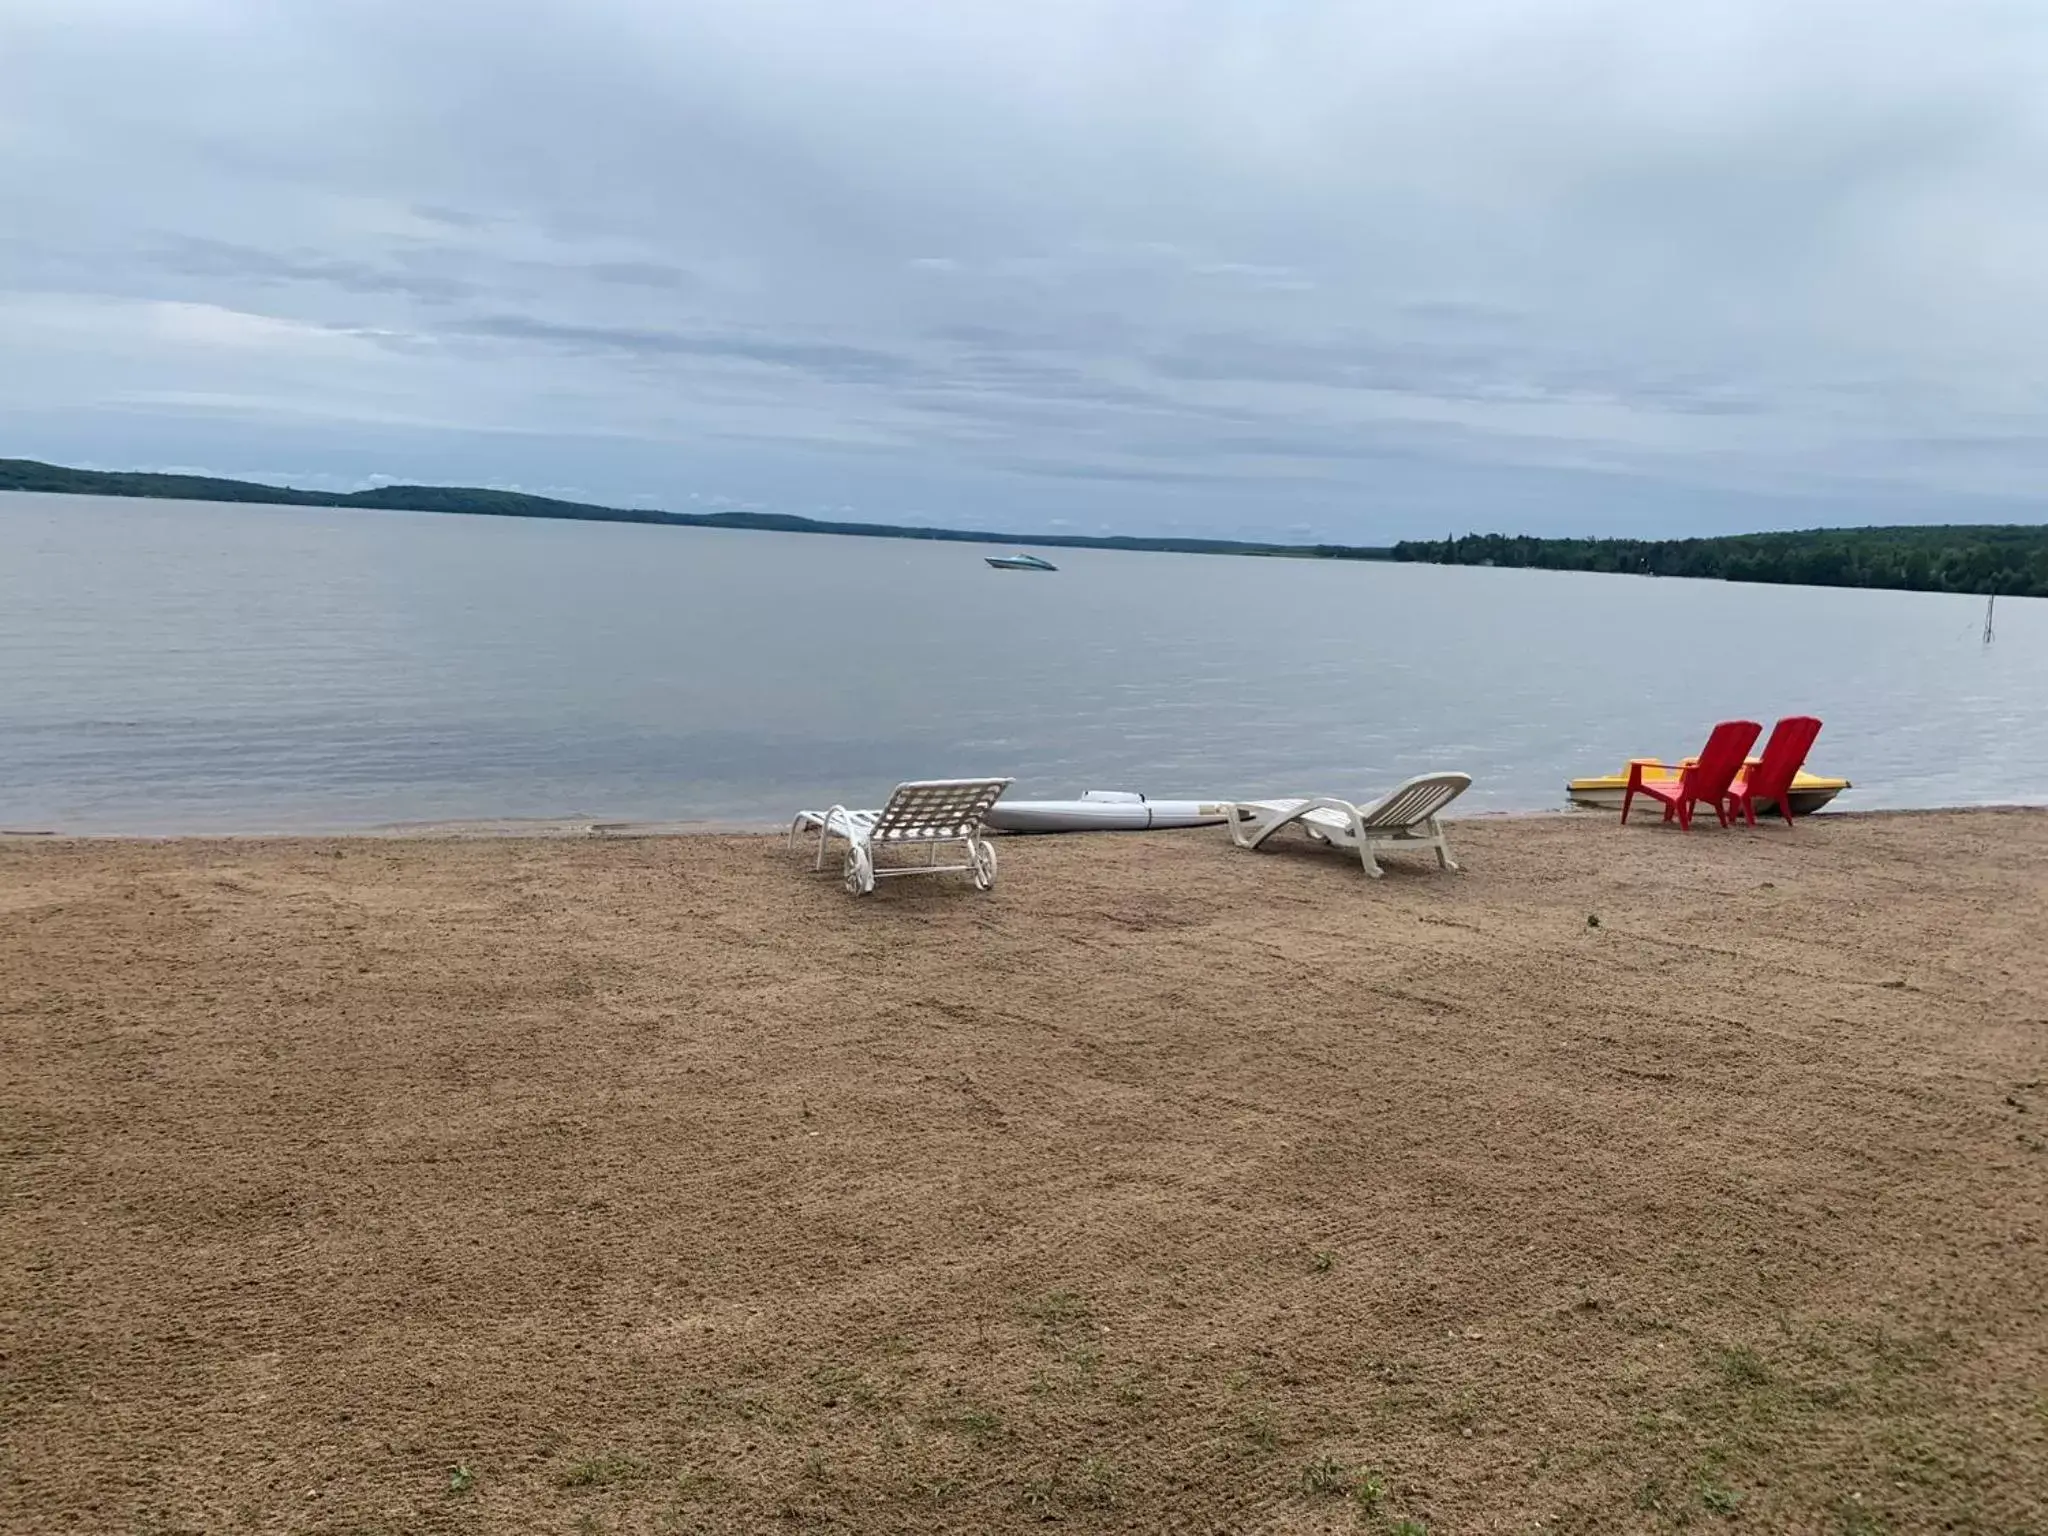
(1319, 268)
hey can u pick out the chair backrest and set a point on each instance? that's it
(1784, 755)
(937, 808)
(1412, 803)
(1721, 759)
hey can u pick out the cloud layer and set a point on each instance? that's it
(1320, 268)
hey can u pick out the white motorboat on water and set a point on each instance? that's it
(1019, 563)
(1104, 810)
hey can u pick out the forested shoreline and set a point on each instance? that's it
(2007, 559)
(1998, 559)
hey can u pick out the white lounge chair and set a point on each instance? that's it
(931, 814)
(1404, 818)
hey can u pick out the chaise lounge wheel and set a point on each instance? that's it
(860, 872)
(983, 860)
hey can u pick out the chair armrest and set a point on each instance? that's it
(1637, 777)
(1351, 813)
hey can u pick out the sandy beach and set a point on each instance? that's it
(1628, 1181)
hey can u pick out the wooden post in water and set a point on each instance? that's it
(1990, 603)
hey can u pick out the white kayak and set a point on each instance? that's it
(1103, 810)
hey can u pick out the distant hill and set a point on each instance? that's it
(1998, 558)
(29, 475)
(2005, 559)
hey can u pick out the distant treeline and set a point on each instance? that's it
(2000, 559)
(29, 475)
(2011, 560)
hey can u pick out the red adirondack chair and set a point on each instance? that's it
(1703, 781)
(1770, 778)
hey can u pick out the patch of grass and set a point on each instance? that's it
(1369, 1491)
(586, 1525)
(602, 1472)
(1325, 1477)
(1742, 1366)
(1322, 1261)
(1718, 1497)
(1814, 1382)
(814, 1468)
(1652, 1423)
(1408, 1528)
(460, 1479)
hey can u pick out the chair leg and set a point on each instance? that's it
(1684, 809)
(1371, 864)
(1242, 823)
(1628, 798)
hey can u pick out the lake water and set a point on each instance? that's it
(192, 667)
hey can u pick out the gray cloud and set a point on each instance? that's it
(1350, 269)
(821, 357)
(408, 273)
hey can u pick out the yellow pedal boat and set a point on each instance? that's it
(1810, 791)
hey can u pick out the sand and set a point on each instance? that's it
(1627, 1181)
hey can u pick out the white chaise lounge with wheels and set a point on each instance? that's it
(931, 814)
(1406, 817)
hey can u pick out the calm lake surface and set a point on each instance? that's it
(192, 667)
